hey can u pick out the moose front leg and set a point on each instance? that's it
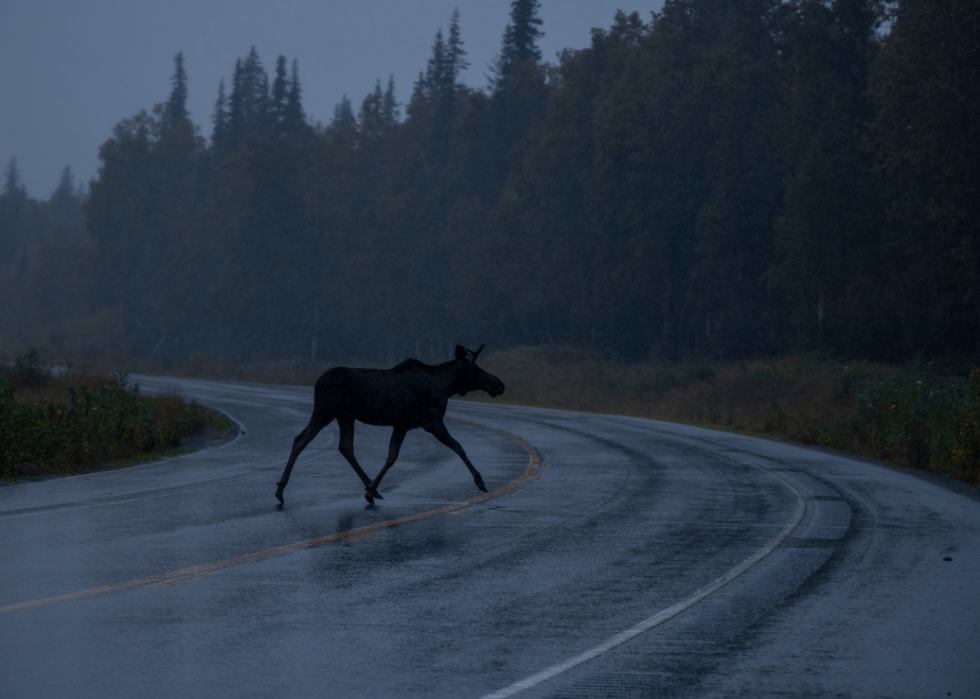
(439, 431)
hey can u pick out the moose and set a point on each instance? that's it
(407, 396)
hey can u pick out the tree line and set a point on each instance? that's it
(725, 179)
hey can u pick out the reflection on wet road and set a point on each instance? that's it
(734, 566)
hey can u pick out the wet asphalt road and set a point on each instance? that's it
(177, 578)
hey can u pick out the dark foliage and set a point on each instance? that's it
(728, 179)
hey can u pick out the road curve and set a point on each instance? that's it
(614, 557)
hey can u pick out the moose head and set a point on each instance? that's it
(473, 378)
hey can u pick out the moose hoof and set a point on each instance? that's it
(367, 496)
(479, 484)
(279, 495)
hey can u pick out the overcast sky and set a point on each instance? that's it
(70, 70)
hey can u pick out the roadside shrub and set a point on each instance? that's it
(907, 416)
(26, 371)
(85, 420)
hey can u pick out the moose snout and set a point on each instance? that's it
(496, 388)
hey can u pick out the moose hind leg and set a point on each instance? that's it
(299, 444)
(439, 431)
(346, 448)
(394, 446)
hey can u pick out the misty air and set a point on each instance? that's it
(724, 255)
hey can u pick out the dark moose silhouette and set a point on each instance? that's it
(407, 396)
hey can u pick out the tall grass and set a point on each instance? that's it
(70, 423)
(911, 416)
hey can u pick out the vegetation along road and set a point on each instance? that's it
(734, 565)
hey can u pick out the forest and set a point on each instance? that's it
(723, 179)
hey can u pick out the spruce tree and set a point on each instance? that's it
(520, 42)
(280, 88)
(343, 126)
(518, 94)
(435, 102)
(236, 108)
(436, 68)
(12, 203)
(13, 188)
(447, 61)
(370, 120)
(389, 106)
(175, 110)
(221, 124)
(63, 198)
(250, 103)
(455, 54)
(294, 120)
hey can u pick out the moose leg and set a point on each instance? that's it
(394, 446)
(439, 431)
(346, 447)
(299, 444)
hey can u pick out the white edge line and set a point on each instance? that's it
(670, 612)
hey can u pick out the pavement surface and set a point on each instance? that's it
(613, 557)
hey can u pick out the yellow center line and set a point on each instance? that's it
(348, 534)
(360, 536)
(173, 581)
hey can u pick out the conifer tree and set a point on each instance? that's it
(389, 105)
(518, 94)
(435, 69)
(236, 108)
(280, 88)
(520, 42)
(436, 98)
(13, 188)
(175, 110)
(446, 63)
(371, 121)
(343, 127)
(64, 198)
(416, 101)
(12, 204)
(249, 112)
(294, 120)
(221, 126)
(455, 53)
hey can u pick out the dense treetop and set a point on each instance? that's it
(722, 179)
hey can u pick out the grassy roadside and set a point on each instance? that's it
(911, 416)
(914, 416)
(81, 421)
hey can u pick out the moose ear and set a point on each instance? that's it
(460, 352)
